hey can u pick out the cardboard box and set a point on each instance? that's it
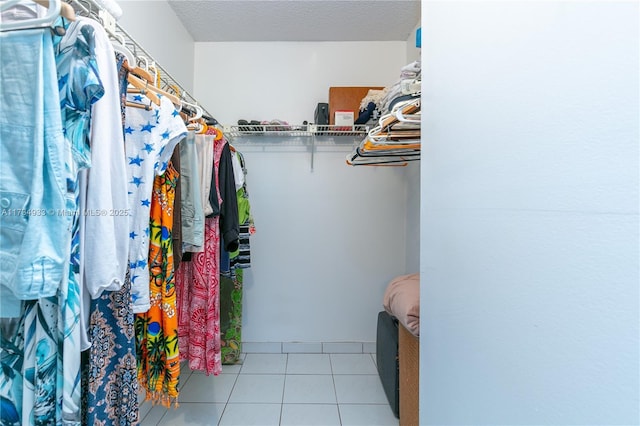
(344, 118)
(347, 99)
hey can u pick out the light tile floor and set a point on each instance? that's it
(280, 389)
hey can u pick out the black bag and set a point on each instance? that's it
(321, 116)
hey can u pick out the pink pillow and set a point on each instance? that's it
(402, 300)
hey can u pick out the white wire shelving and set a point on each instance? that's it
(310, 138)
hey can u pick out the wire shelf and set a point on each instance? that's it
(266, 130)
(289, 131)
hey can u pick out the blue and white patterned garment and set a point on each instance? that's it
(31, 177)
(45, 346)
(150, 137)
(34, 238)
(80, 87)
(51, 332)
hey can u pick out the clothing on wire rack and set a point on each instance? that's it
(191, 196)
(157, 328)
(111, 385)
(150, 137)
(232, 265)
(103, 279)
(198, 280)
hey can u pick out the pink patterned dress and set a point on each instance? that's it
(198, 293)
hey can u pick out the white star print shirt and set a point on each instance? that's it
(150, 137)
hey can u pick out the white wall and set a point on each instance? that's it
(328, 241)
(530, 213)
(327, 244)
(285, 80)
(155, 26)
(412, 232)
(413, 184)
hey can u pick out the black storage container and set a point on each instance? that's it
(321, 116)
(387, 359)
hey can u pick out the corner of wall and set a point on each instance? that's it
(413, 53)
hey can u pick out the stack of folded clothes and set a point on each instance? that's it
(380, 102)
(406, 88)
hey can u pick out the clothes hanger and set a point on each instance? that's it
(356, 159)
(143, 72)
(155, 72)
(406, 107)
(388, 156)
(173, 98)
(369, 146)
(139, 105)
(54, 10)
(141, 86)
(194, 116)
(7, 4)
(146, 75)
(408, 118)
(367, 153)
(195, 112)
(120, 47)
(196, 126)
(398, 137)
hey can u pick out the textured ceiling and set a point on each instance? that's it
(298, 20)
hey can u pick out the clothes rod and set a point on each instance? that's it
(167, 80)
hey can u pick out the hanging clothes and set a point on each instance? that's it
(104, 240)
(232, 274)
(80, 87)
(241, 258)
(32, 180)
(191, 196)
(48, 333)
(177, 211)
(198, 280)
(198, 312)
(151, 136)
(156, 330)
(111, 387)
(204, 149)
(229, 223)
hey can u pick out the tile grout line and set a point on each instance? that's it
(226, 404)
(284, 387)
(335, 390)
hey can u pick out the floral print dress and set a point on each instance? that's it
(157, 329)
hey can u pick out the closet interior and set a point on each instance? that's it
(181, 234)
